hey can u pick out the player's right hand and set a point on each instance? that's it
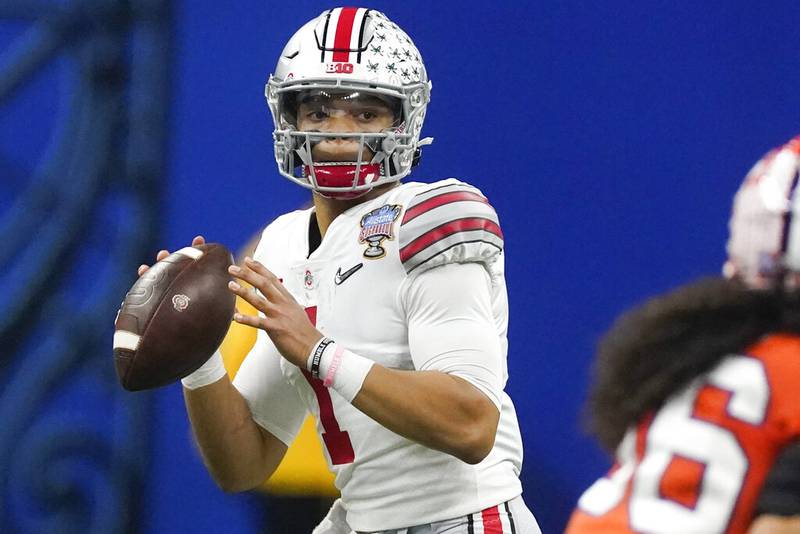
(163, 253)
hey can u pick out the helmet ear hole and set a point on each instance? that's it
(416, 158)
(389, 144)
(289, 142)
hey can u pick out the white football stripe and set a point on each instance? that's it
(191, 252)
(126, 340)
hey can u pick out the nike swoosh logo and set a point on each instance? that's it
(342, 276)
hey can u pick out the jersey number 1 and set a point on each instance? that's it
(337, 441)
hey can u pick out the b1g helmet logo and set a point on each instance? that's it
(339, 68)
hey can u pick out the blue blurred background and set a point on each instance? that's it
(610, 136)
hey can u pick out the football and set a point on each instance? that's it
(174, 317)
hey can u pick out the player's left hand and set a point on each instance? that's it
(286, 321)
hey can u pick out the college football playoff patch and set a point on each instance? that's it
(376, 226)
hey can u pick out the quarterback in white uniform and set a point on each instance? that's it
(383, 308)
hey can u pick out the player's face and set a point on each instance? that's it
(345, 115)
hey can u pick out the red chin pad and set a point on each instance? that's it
(343, 176)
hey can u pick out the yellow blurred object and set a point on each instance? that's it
(303, 470)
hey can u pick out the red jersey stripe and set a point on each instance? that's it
(337, 441)
(448, 229)
(344, 28)
(439, 200)
(491, 521)
(326, 416)
(311, 311)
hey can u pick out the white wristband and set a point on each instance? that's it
(344, 371)
(315, 356)
(208, 373)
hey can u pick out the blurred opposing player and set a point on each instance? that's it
(383, 307)
(778, 508)
(696, 391)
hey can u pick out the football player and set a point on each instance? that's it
(778, 508)
(383, 308)
(696, 390)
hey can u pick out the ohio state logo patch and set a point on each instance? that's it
(180, 302)
(376, 226)
(308, 279)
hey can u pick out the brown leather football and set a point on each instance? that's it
(174, 317)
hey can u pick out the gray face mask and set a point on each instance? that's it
(353, 117)
(385, 154)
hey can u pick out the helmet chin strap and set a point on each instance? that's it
(341, 174)
(336, 174)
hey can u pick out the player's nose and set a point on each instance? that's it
(340, 123)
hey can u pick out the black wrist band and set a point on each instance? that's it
(321, 346)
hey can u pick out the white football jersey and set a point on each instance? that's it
(355, 287)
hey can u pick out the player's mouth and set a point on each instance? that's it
(340, 150)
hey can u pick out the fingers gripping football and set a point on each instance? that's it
(163, 253)
(284, 320)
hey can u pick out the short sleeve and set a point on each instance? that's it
(451, 327)
(274, 403)
(780, 494)
(451, 223)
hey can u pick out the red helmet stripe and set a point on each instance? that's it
(344, 30)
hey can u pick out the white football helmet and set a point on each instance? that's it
(764, 243)
(349, 53)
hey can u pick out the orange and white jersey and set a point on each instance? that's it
(367, 286)
(698, 464)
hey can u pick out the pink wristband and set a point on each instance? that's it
(333, 367)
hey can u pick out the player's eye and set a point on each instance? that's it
(367, 116)
(316, 115)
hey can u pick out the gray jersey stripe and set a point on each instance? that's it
(474, 243)
(443, 214)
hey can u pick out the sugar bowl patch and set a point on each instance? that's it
(376, 226)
